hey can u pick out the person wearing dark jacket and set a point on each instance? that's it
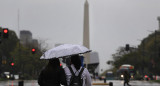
(126, 78)
(52, 74)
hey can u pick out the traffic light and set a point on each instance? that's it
(127, 47)
(33, 50)
(12, 64)
(5, 33)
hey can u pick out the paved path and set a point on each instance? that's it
(115, 83)
(132, 83)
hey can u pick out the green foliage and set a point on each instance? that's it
(27, 63)
(7, 46)
(147, 55)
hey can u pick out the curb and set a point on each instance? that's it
(100, 84)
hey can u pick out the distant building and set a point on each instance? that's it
(93, 65)
(35, 43)
(25, 37)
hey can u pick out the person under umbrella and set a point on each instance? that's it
(75, 71)
(52, 74)
(64, 51)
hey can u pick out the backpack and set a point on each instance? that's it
(76, 80)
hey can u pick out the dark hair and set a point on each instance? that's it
(54, 62)
(76, 61)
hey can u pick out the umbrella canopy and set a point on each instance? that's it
(64, 50)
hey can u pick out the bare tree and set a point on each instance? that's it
(43, 46)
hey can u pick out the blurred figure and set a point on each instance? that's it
(74, 71)
(126, 78)
(52, 74)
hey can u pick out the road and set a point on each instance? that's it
(115, 83)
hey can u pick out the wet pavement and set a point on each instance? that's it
(115, 83)
(132, 83)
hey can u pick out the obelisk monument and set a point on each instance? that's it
(86, 41)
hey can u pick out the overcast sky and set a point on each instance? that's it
(113, 23)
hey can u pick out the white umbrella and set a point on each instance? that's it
(64, 50)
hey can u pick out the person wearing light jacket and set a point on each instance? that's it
(76, 67)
